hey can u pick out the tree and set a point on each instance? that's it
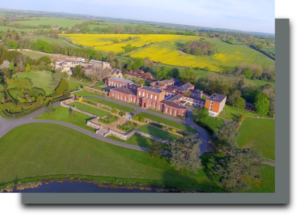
(137, 63)
(248, 73)
(128, 64)
(240, 103)
(188, 75)
(185, 153)
(162, 73)
(56, 78)
(259, 47)
(200, 114)
(72, 113)
(2, 97)
(50, 109)
(35, 92)
(12, 66)
(225, 136)
(233, 168)
(155, 149)
(235, 94)
(63, 86)
(110, 57)
(229, 41)
(261, 103)
(28, 68)
(174, 73)
(40, 99)
(1, 88)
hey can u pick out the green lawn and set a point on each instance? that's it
(15, 93)
(160, 112)
(214, 123)
(98, 88)
(258, 134)
(63, 114)
(168, 122)
(60, 42)
(158, 132)
(110, 104)
(89, 109)
(34, 54)
(40, 79)
(138, 140)
(84, 92)
(267, 182)
(74, 85)
(49, 149)
(233, 113)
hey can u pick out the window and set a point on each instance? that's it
(113, 94)
(130, 99)
(139, 93)
(154, 104)
(155, 97)
(175, 113)
(121, 97)
(143, 94)
(151, 96)
(125, 98)
(150, 103)
(158, 107)
(166, 110)
(147, 95)
(118, 96)
(171, 111)
(134, 100)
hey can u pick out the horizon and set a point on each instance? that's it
(227, 14)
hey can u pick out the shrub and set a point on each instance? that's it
(136, 117)
(127, 126)
(142, 119)
(121, 113)
(114, 111)
(173, 130)
(181, 117)
(80, 99)
(48, 99)
(22, 100)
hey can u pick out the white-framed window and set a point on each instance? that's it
(166, 110)
(121, 97)
(118, 96)
(134, 100)
(113, 94)
(155, 97)
(139, 93)
(130, 99)
(158, 107)
(150, 103)
(154, 104)
(143, 94)
(175, 113)
(147, 95)
(151, 96)
(125, 98)
(171, 111)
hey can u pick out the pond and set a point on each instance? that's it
(78, 187)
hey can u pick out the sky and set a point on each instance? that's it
(245, 15)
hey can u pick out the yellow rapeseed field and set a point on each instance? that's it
(162, 48)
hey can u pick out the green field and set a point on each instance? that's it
(110, 104)
(49, 151)
(60, 42)
(168, 122)
(96, 111)
(40, 79)
(5, 28)
(63, 114)
(214, 123)
(53, 149)
(233, 113)
(60, 22)
(34, 54)
(138, 140)
(258, 134)
(158, 133)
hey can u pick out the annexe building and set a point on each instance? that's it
(215, 104)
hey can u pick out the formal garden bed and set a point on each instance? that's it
(109, 119)
(96, 111)
(128, 126)
(158, 133)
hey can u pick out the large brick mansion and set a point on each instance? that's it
(165, 96)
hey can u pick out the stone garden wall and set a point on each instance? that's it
(120, 135)
(63, 104)
(95, 91)
(153, 137)
(90, 123)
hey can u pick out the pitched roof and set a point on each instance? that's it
(216, 97)
(125, 91)
(172, 104)
(121, 80)
(176, 97)
(151, 89)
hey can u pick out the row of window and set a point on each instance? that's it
(114, 84)
(151, 96)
